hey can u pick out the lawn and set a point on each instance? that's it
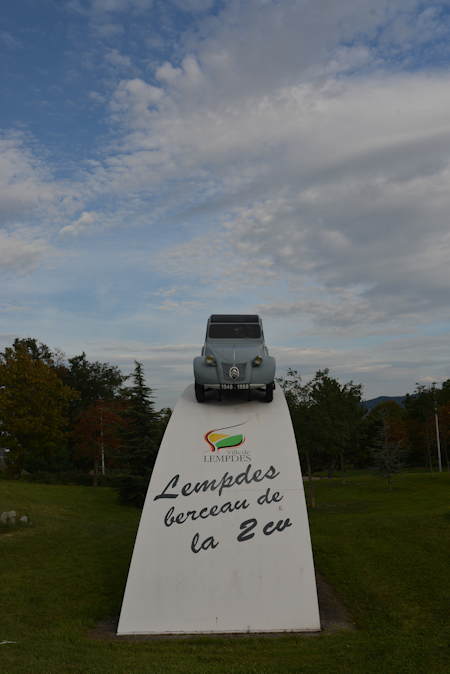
(387, 554)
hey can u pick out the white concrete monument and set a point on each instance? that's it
(223, 543)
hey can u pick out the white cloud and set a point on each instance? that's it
(105, 15)
(167, 72)
(26, 186)
(346, 177)
(32, 203)
(108, 29)
(165, 292)
(115, 58)
(301, 151)
(21, 255)
(85, 222)
(96, 97)
(179, 306)
(136, 99)
(102, 6)
(392, 366)
(194, 5)
(316, 163)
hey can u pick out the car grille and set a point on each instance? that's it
(226, 369)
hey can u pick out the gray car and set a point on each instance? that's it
(234, 357)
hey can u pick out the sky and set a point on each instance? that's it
(162, 160)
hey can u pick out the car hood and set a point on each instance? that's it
(234, 352)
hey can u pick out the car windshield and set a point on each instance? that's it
(234, 331)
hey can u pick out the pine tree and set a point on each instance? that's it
(143, 428)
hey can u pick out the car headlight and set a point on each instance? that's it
(257, 361)
(210, 360)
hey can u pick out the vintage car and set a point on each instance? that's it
(234, 357)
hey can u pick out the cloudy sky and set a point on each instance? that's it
(161, 160)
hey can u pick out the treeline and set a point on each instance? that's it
(73, 420)
(76, 420)
(334, 431)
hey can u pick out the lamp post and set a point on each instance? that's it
(436, 423)
(102, 443)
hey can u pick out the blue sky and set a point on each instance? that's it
(164, 160)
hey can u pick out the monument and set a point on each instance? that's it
(223, 543)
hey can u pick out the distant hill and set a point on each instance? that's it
(373, 402)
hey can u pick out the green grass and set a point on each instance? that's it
(387, 554)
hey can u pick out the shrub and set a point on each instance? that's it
(132, 489)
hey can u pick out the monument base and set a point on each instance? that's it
(223, 544)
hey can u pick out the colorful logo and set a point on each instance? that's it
(218, 440)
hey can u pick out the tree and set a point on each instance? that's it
(97, 435)
(325, 414)
(33, 409)
(389, 438)
(143, 431)
(338, 411)
(93, 381)
(442, 400)
(421, 407)
(300, 409)
(444, 422)
(325, 417)
(38, 351)
(163, 418)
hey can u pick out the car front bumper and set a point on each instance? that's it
(217, 376)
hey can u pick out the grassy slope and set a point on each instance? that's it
(386, 553)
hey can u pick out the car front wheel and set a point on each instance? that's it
(268, 396)
(200, 393)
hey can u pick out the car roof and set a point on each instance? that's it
(234, 318)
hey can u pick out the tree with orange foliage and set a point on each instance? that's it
(97, 434)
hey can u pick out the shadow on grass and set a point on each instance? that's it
(334, 617)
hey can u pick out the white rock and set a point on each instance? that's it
(24, 519)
